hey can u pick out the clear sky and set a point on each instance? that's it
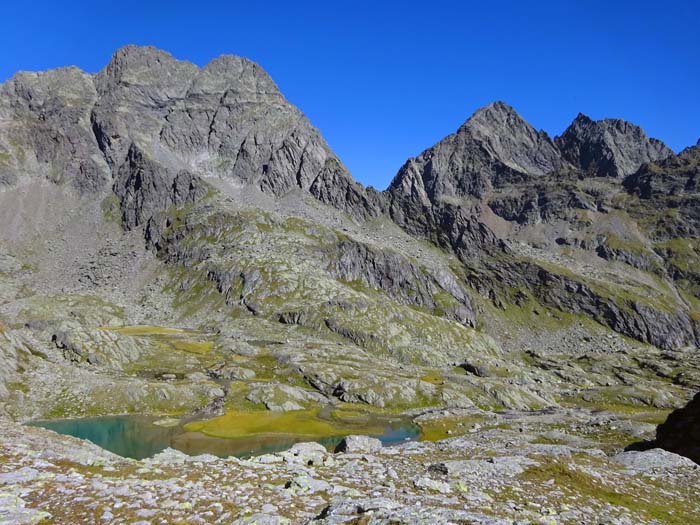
(384, 80)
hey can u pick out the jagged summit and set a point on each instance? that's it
(227, 119)
(512, 140)
(608, 147)
(172, 78)
(496, 146)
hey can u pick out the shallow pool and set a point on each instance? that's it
(139, 437)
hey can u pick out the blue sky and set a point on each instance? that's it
(385, 80)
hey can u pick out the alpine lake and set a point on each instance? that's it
(240, 434)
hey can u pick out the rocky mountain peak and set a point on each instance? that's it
(227, 119)
(582, 120)
(510, 139)
(494, 115)
(234, 74)
(494, 146)
(608, 147)
(155, 74)
(691, 152)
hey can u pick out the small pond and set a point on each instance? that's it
(139, 437)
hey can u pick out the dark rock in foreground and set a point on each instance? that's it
(680, 433)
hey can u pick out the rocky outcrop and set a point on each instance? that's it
(45, 130)
(680, 433)
(145, 187)
(672, 176)
(400, 279)
(652, 460)
(335, 186)
(453, 227)
(541, 203)
(359, 445)
(671, 185)
(632, 316)
(609, 147)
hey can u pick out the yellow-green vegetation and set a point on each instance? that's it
(237, 424)
(530, 310)
(146, 330)
(173, 338)
(694, 303)
(193, 347)
(683, 253)
(634, 247)
(573, 482)
(434, 377)
(655, 219)
(105, 401)
(625, 399)
(87, 308)
(18, 387)
(199, 294)
(110, 208)
(626, 245)
(436, 429)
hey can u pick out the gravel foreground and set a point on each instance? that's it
(520, 468)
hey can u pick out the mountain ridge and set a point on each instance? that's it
(172, 192)
(159, 123)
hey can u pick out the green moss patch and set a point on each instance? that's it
(237, 424)
(173, 338)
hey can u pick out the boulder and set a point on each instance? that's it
(305, 454)
(359, 445)
(653, 459)
(680, 433)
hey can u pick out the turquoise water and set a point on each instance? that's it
(128, 436)
(138, 438)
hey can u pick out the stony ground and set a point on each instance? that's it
(549, 467)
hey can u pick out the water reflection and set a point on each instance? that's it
(138, 437)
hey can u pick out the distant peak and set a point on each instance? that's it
(501, 106)
(132, 51)
(224, 64)
(498, 114)
(583, 118)
(146, 65)
(133, 57)
(226, 61)
(610, 147)
(496, 107)
(227, 71)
